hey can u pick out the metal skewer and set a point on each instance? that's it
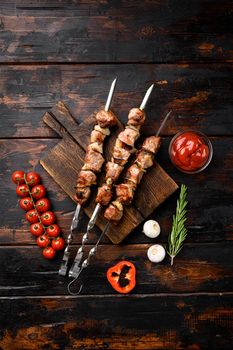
(64, 265)
(75, 221)
(75, 268)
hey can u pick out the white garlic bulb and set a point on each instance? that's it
(151, 228)
(156, 253)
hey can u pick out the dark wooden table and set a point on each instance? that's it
(71, 50)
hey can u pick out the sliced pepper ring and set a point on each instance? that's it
(122, 276)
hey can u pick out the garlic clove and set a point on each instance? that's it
(151, 228)
(156, 253)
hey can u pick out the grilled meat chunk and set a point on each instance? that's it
(114, 212)
(97, 136)
(82, 194)
(104, 194)
(136, 117)
(113, 171)
(121, 155)
(86, 178)
(129, 136)
(93, 161)
(134, 175)
(124, 193)
(106, 119)
(105, 131)
(144, 159)
(95, 146)
(151, 144)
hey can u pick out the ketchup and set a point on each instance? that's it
(189, 151)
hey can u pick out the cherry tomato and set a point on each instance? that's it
(49, 253)
(58, 243)
(38, 191)
(43, 205)
(22, 190)
(32, 216)
(18, 177)
(48, 218)
(37, 229)
(33, 178)
(26, 203)
(53, 230)
(43, 241)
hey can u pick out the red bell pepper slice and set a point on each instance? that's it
(122, 276)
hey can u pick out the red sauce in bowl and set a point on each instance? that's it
(190, 151)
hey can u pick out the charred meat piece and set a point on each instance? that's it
(136, 117)
(93, 161)
(86, 178)
(134, 174)
(82, 194)
(144, 159)
(114, 212)
(151, 144)
(97, 136)
(104, 131)
(129, 136)
(104, 194)
(106, 119)
(95, 146)
(120, 144)
(121, 155)
(113, 171)
(124, 193)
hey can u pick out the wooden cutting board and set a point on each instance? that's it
(65, 160)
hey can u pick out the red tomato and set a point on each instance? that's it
(38, 191)
(18, 177)
(22, 190)
(32, 216)
(43, 241)
(43, 205)
(26, 203)
(33, 178)
(58, 243)
(53, 230)
(37, 229)
(49, 253)
(48, 218)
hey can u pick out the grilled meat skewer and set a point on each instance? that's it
(125, 191)
(93, 163)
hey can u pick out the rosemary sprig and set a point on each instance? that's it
(179, 231)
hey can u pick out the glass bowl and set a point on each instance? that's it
(205, 141)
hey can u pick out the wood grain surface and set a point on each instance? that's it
(199, 94)
(113, 31)
(190, 321)
(71, 50)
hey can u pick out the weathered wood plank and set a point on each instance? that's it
(152, 322)
(198, 268)
(210, 195)
(97, 31)
(200, 95)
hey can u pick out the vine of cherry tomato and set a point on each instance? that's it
(38, 213)
(26, 203)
